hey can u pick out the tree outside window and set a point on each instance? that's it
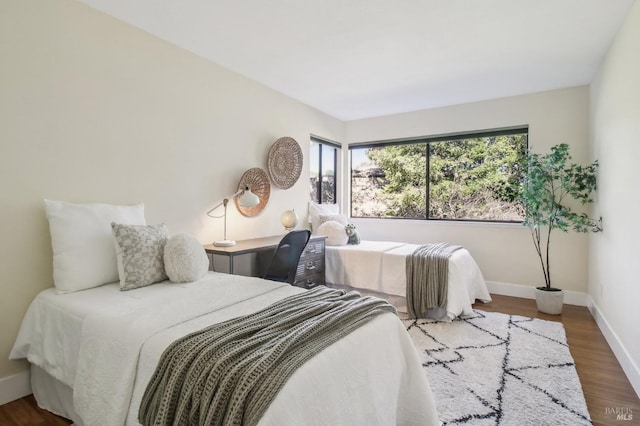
(468, 177)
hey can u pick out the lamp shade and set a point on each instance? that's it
(248, 198)
(289, 219)
(257, 181)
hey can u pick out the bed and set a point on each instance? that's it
(380, 266)
(92, 352)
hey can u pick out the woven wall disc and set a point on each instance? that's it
(285, 162)
(258, 181)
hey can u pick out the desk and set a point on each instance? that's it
(244, 247)
(311, 266)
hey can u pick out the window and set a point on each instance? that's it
(323, 161)
(474, 176)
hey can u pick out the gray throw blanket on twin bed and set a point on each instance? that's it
(228, 373)
(427, 278)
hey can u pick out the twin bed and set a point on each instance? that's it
(93, 352)
(380, 267)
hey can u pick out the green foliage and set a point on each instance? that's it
(404, 187)
(476, 178)
(550, 183)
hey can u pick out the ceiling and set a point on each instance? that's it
(355, 59)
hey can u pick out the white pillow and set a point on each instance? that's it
(340, 218)
(82, 242)
(335, 233)
(140, 254)
(185, 260)
(316, 210)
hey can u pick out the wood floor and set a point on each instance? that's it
(604, 383)
(605, 386)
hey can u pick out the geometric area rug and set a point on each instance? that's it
(496, 369)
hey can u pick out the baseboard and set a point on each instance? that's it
(526, 292)
(14, 387)
(630, 369)
(626, 362)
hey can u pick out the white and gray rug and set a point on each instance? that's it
(498, 369)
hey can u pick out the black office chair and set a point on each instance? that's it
(284, 262)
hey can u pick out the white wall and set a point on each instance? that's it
(504, 252)
(93, 110)
(615, 135)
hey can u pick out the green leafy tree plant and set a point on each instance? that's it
(469, 179)
(550, 182)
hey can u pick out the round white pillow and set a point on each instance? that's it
(335, 233)
(185, 259)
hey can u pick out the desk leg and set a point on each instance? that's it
(231, 264)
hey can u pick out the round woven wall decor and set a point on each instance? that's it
(258, 181)
(285, 162)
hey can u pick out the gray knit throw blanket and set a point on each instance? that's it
(427, 278)
(228, 373)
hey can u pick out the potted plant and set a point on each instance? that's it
(550, 182)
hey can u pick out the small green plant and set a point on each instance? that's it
(549, 182)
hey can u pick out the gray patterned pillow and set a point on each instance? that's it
(139, 250)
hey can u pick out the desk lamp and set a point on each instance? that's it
(246, 198)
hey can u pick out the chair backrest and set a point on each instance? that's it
(284, 262)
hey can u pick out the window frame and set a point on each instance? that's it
(511, 130)
(335, 146)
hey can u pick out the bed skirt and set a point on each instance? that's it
(53, 395)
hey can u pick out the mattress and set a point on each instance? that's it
(104, 344)
(51, 330)
(380, 266)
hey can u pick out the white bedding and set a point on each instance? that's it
(380, 266)
(105, 344)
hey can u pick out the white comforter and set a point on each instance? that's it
(380, 266)
(373, 376)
